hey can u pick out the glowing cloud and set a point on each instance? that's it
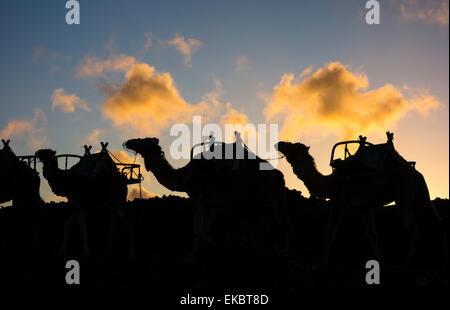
(93, 66)
(133, 193)
(123, 157)
(334, 100)
(93, 137)
(186, 48)
(28, 130)
(147, 102)
(67, 102)
(233, 116)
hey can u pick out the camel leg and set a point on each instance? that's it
(130, 228)
(282, 222)
(336, 215)
(112, 231)
(83, 230)
(67, 228)
(201, 223)
(412, 233)
(407, 208)
(367, 217)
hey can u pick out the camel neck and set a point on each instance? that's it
(315, 182)
(50, 167)
(171, 178)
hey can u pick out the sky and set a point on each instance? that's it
(315, 68)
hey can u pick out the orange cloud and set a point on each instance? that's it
(93, 137)
(67, 102)
(233, 116)
(240, 122)
(186, 48)
(93, 66)
(147, 102)
(430, 11)
(133, 193)
(28, 130)
(123, 157)
(334, 100)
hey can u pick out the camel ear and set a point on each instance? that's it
(307, 148)
(104, 145)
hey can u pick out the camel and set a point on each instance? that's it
(216, 184)
(397, 180)
(20, 183)
(94, 182)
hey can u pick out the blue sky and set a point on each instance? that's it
(277, 37)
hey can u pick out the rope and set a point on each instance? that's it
(132, 172)
(268, 159)
(276, 158)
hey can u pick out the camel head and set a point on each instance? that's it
(146, 147)
(142, 146)
(46, 156)
(293, 151)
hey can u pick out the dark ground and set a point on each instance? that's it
(238, 264)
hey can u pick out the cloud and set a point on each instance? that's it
(147, 102)
(186, 48)
(233, 116)
(52, 58)
(67, 103)
(334, 100)
(94, 66)
(427, 11)
(29, 130)
(241, 63)
(93, 137)
(240, 122)
(133, 193)
(148, 40)
(123, 157)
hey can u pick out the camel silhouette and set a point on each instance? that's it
(214, 183)
(20, 183)
(94, 182)
(349, 187)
